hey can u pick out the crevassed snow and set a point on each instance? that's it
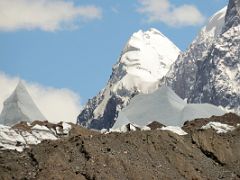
(10, 139)
(163, 106)
(9, 146)
(29, 138)
(66, 127)
(15, 139)
(174, 129)
(20, 107)
(37, 127)
(42, 133)
(219, 127)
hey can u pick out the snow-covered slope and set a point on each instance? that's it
(20, 107)
(182, 75)
(163, 106)
(25, 134)
(219, 127)
(145, 59)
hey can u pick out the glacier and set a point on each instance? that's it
(163, 106)
(20, 107)
(23, 135)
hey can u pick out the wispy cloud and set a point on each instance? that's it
(115, 10)
(166, 12)
(56, 104)
(47, 15)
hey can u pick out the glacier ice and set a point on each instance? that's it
(165, 107)
(20, 107)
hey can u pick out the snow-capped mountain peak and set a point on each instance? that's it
(147, 55)
(20, 107)
(182, 75)
(214, 26)
(145, 59)
(209, 71)
(218, 82)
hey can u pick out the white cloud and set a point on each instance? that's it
(165, 12)
(55, 104)
(47, 15)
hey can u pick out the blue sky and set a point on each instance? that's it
(78, 53)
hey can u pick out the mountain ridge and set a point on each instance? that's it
(145, 59)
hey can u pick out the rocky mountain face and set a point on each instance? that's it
(209, 150)
(215, 77)
(20, 107)
(145, 59)
(182, 75)
(232, 17)
(218, 78)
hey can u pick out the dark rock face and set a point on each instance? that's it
(215, 85)
(214, 76)
(87, 112)
(114, 104)
(218, 78)
(182, 75)
(155, 154)
(232, 18)
(108, 118)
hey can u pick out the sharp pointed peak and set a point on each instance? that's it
(20, 83)
(19, 106)
(21, 86)
(149, 31)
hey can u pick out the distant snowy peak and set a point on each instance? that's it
(209, 71)
(214, 26)
(147, 55)
(145, 59)
(20, 107)
(182, 75)
(218, 78)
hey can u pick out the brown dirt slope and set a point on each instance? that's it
(155, 154)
